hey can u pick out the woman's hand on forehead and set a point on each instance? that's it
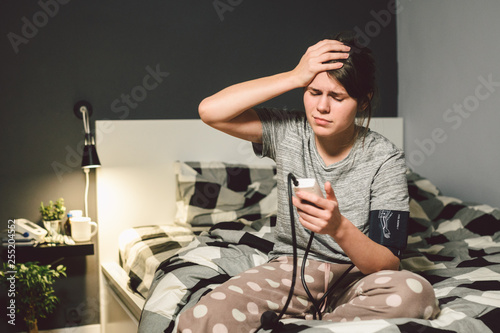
(320, 57)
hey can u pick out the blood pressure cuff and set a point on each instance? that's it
(390, 229)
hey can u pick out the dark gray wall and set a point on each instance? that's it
(54, 53)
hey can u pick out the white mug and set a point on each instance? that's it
(81, 229)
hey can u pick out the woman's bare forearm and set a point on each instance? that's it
(230, 102)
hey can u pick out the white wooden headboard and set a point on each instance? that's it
(136, 184)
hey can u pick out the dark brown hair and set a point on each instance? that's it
(357, 76)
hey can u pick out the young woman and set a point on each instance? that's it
(362, 176)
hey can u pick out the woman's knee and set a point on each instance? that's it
(414, 297)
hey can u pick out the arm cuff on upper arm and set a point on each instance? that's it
(390, 229)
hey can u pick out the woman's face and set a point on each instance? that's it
(330, 111)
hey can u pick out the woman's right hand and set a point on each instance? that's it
(318, 59)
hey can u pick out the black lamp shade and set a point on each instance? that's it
(90, 158)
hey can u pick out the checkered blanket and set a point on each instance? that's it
(143, 249)
(453, 244)
(228, 249)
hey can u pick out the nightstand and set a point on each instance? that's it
(46, 254)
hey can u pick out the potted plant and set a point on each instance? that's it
(52, 216)
(31, 291)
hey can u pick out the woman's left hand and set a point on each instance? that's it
(319, 215)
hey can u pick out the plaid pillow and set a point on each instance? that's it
(212, 192)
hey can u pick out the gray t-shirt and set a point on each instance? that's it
(371, 177)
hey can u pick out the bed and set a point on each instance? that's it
(182, 208)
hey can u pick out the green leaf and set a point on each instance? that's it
(35, 296)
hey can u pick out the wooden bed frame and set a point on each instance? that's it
(136, 186)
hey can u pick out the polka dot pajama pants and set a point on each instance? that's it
(237, 305)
